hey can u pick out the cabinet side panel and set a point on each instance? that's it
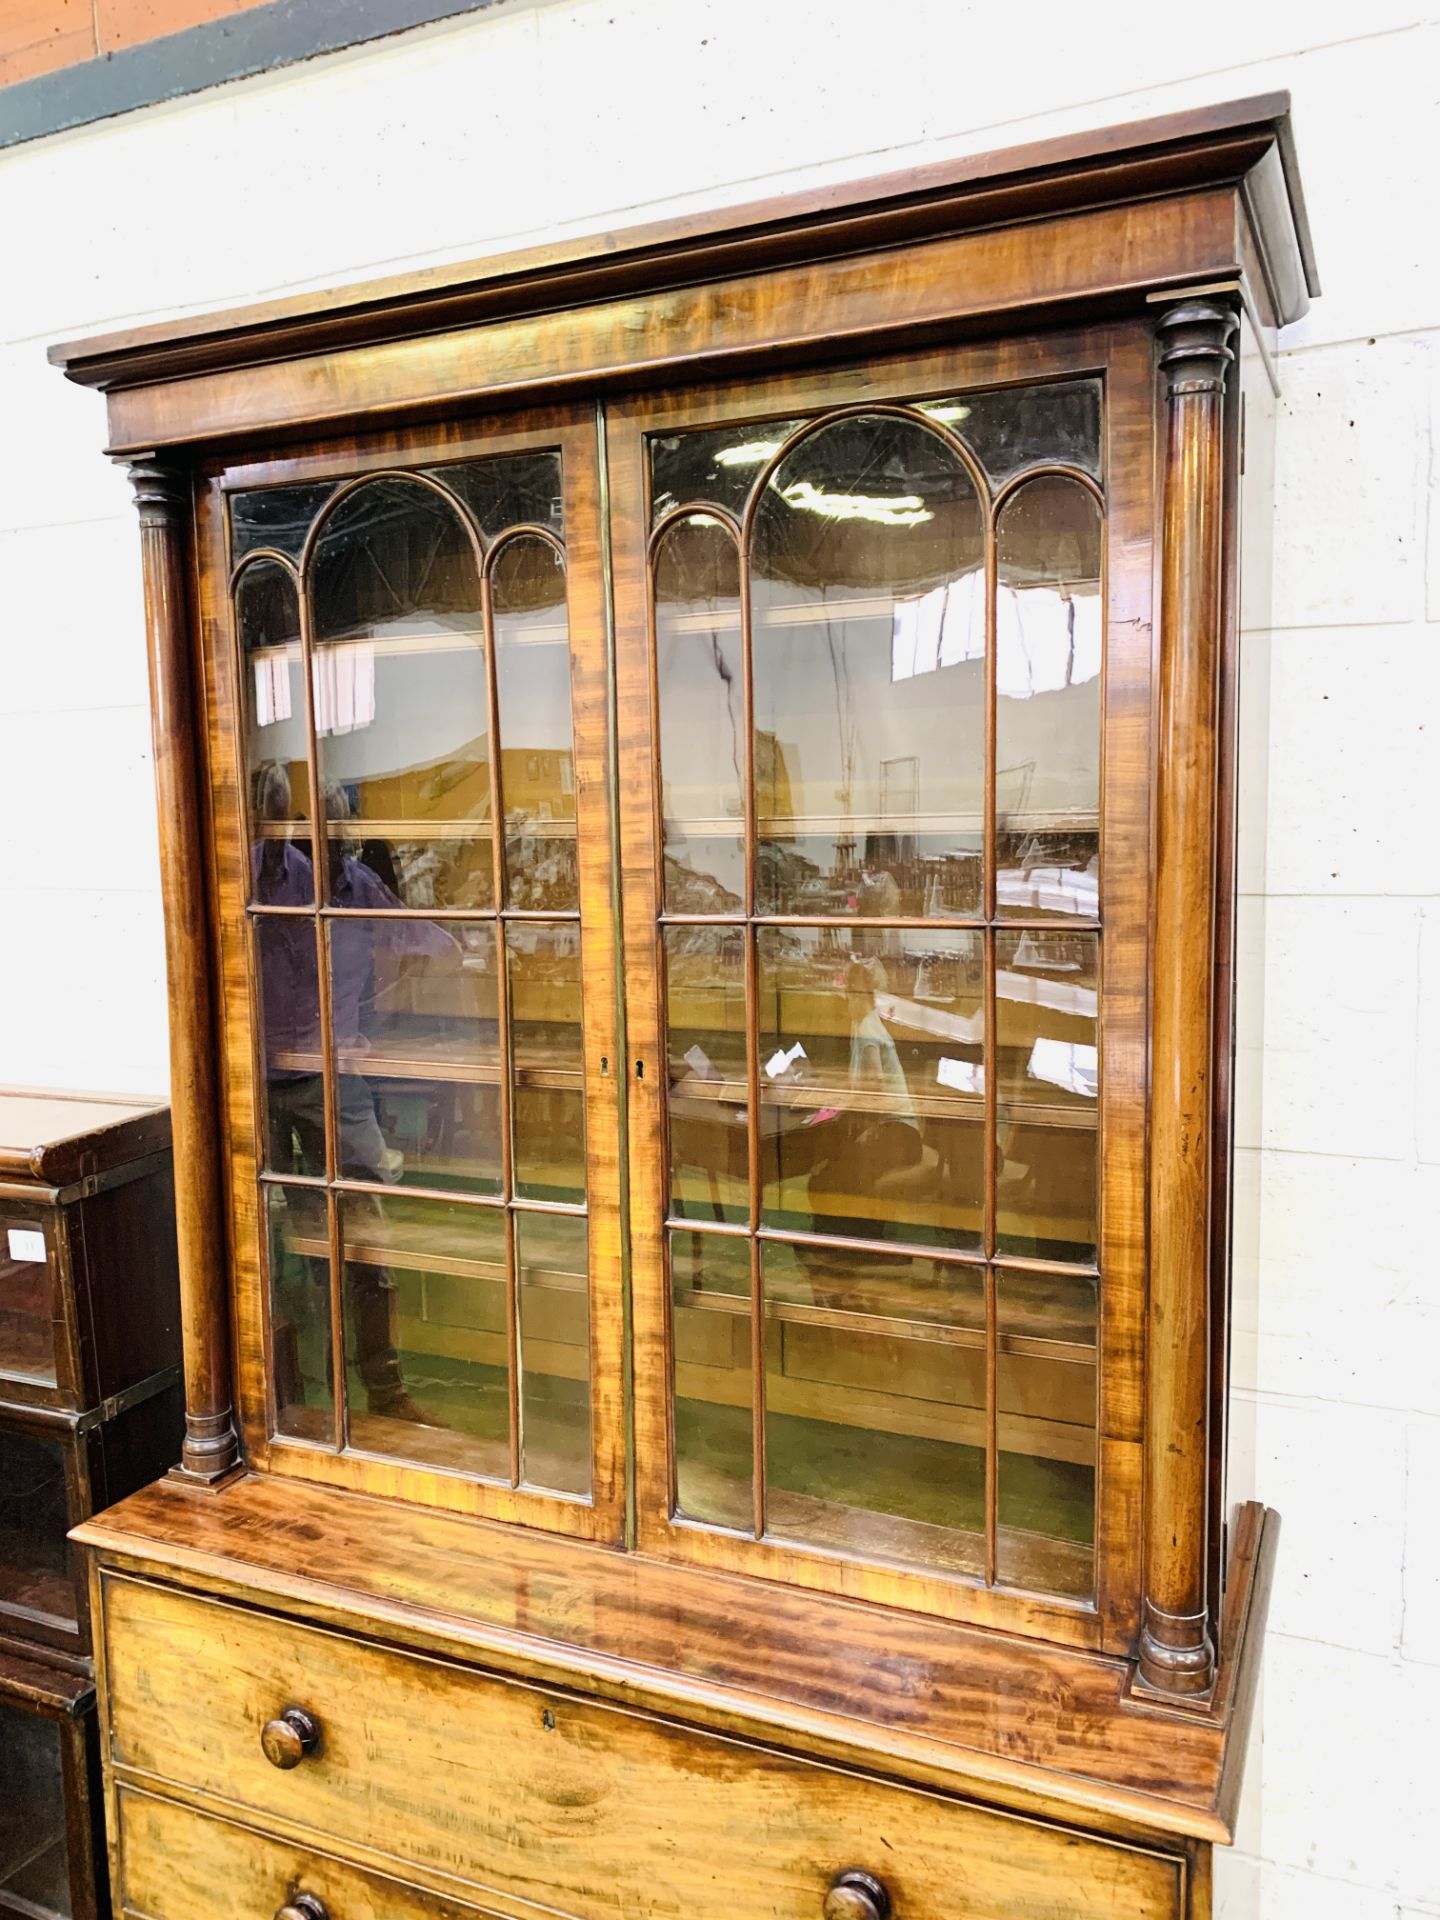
(1239, 1325)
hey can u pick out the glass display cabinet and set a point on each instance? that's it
(51, 1826)
(90, 1398)
(699, 790)
(90, 1410)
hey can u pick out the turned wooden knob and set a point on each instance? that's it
(303, 1907)
(857, 1895)
(286, 1742)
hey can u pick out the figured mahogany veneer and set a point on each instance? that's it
(1029, 1727)
(346, 1669)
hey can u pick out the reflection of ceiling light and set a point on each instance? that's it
(750, 453)
(900, 510)
(948, 413)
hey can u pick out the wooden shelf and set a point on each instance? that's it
(815, 1096)
(362, 827)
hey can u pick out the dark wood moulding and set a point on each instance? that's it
(956, 246)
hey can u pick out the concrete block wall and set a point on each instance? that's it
(532, 120)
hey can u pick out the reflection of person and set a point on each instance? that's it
(282, 875)
(875, 1134)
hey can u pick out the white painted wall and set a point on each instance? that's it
(536, 119)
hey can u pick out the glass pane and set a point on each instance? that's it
(34, 1857)
(277, 765)
(537, 756)
(547, 1051)
(875, 1421)
(718, 464)
(1048, 633)
(1047, 1417)
(868, 600)
(508, 490)
(707, 1106)
(1016, 427)
(415, 1019)
(872, 1083)
(29, 1308)
(290, 1049)
(401, 702)
(37, 1582)
(714, 1422)
(278, 517)
(701, 684)
(427, 1353)
(1046, 1022)
(298, 1238)
(551, 1254)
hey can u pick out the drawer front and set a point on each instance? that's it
(177, 1865)
(566, 1802)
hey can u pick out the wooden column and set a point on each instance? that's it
(1177, 1655)
(211, 1449)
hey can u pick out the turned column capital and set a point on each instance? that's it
(1195, 350)
(162, 491)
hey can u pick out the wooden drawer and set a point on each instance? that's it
(174, 1862)
(438, 1770)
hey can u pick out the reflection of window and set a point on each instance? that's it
(344, 677)
(941, 628)
(1046, 638)
(272, 689)
(1066, 1064)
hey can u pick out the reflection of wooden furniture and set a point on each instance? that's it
(90, 1409)
(917, 1567)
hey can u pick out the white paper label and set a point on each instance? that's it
(780, 1061)
(27, 1243)
(965, 1076)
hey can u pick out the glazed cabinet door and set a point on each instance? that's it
(406, 645)
(883, 640)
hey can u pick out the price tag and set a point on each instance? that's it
(27, 1243)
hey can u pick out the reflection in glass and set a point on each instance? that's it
(551, 1259)
(507, 490)
(1046, 1020)
(1047, 1415)
(286, 971)
(701, 685)
(1048, 632)
(868, 603)
(37, 1582)
(301, 1368)
(278, 517)
(28, 1305)
(547, 1038)
(427, 1352)
(715, 464)
(714, 1422)
(400, 701)
(875, 1420)
(871, 1083)
(415, 1024)
(1011, 428)
(707, 1106)
(34, 1856)
(277, 768)
(537, 757)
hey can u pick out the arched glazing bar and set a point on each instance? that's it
(265, 593)
(732, 1251)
